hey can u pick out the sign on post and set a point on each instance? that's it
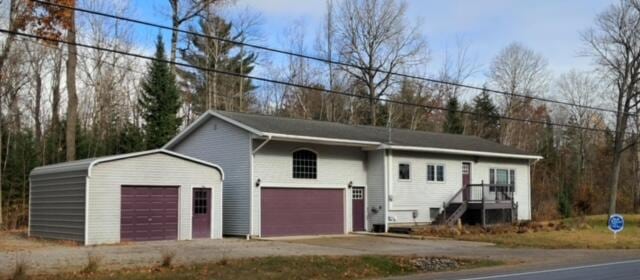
(616, 224)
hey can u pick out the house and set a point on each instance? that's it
(150, 195)
(300, 177)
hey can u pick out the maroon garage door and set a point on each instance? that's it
(149, 213)
(287, 211)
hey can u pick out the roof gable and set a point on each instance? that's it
(382, 137)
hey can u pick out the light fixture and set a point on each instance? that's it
(258, 183)
(350, 184)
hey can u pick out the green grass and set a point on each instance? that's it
(298, 267)
(597, 236)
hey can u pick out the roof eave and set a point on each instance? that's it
(458, 152)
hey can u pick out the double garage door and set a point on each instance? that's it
(293, 211)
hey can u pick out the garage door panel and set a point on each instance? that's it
(287, 211)
(149, 213)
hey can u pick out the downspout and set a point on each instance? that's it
(531, 186)
(251, 200)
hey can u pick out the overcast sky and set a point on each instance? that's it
(550, 27)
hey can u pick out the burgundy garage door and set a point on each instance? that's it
(287, 211)
(149, 213)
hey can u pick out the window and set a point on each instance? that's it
(357, 194)
(404, 171)
(502, 177)
(435, 173)
(305, 164)
(200, 201)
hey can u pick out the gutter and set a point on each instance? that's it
(262, 144)
(458, 152)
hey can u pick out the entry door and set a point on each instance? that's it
(357, 204)
(201, 222)
(466, 179)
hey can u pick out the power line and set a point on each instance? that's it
(328, 61)
(293, 84)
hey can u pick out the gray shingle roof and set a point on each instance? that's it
(400, 137)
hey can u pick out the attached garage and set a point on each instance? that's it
(151, 195)
(302, 211)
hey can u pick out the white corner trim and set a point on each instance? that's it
(457, 152)
(86, 211)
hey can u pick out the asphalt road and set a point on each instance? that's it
(622, 270)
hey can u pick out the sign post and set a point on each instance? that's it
(616, 224)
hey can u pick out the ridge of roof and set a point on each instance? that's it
(433, 133)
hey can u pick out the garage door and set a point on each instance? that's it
(287, 211)
(149, 213)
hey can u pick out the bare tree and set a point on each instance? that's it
(181, 12)
(614, 43)
(519, 71)
(376, 36)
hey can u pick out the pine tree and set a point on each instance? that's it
(159, 101)
(213, 90)
(485, 121)
(453, 123)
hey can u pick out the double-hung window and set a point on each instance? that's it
(404, 171)
(435, 173)
(503, 178)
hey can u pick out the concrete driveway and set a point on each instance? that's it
(50, 259)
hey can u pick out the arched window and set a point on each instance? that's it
(305, 164)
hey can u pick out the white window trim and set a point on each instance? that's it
(410, 172)
(435, 173)
(317, 163)
(515, 175)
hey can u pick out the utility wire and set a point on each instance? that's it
(326, 60)
(319, 89)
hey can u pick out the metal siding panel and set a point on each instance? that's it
(228, 146)
(154, 169)
(57, 204)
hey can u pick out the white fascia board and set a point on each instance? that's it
(458, 152)
(144, 153)
(300, 138)
(205, 117)
(187, 130)
(236, 123)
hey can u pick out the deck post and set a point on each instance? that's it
(482, 210)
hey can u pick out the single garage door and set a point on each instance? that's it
(149, 213)
(288, 211)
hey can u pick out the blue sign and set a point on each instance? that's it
(616, 223)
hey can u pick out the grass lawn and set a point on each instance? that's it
(594, 236)
(301, 267)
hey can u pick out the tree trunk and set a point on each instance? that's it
(617, 158)
(37, 109)
(72, 102)
(175, 23)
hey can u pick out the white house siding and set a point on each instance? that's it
(419, 195)
(228, 146)
(104, 192)
(522, 190)
(375, 188)
(337, 166)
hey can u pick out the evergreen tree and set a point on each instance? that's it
(159, 101)
(213, 90)
(485, 121)
(453, 123)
